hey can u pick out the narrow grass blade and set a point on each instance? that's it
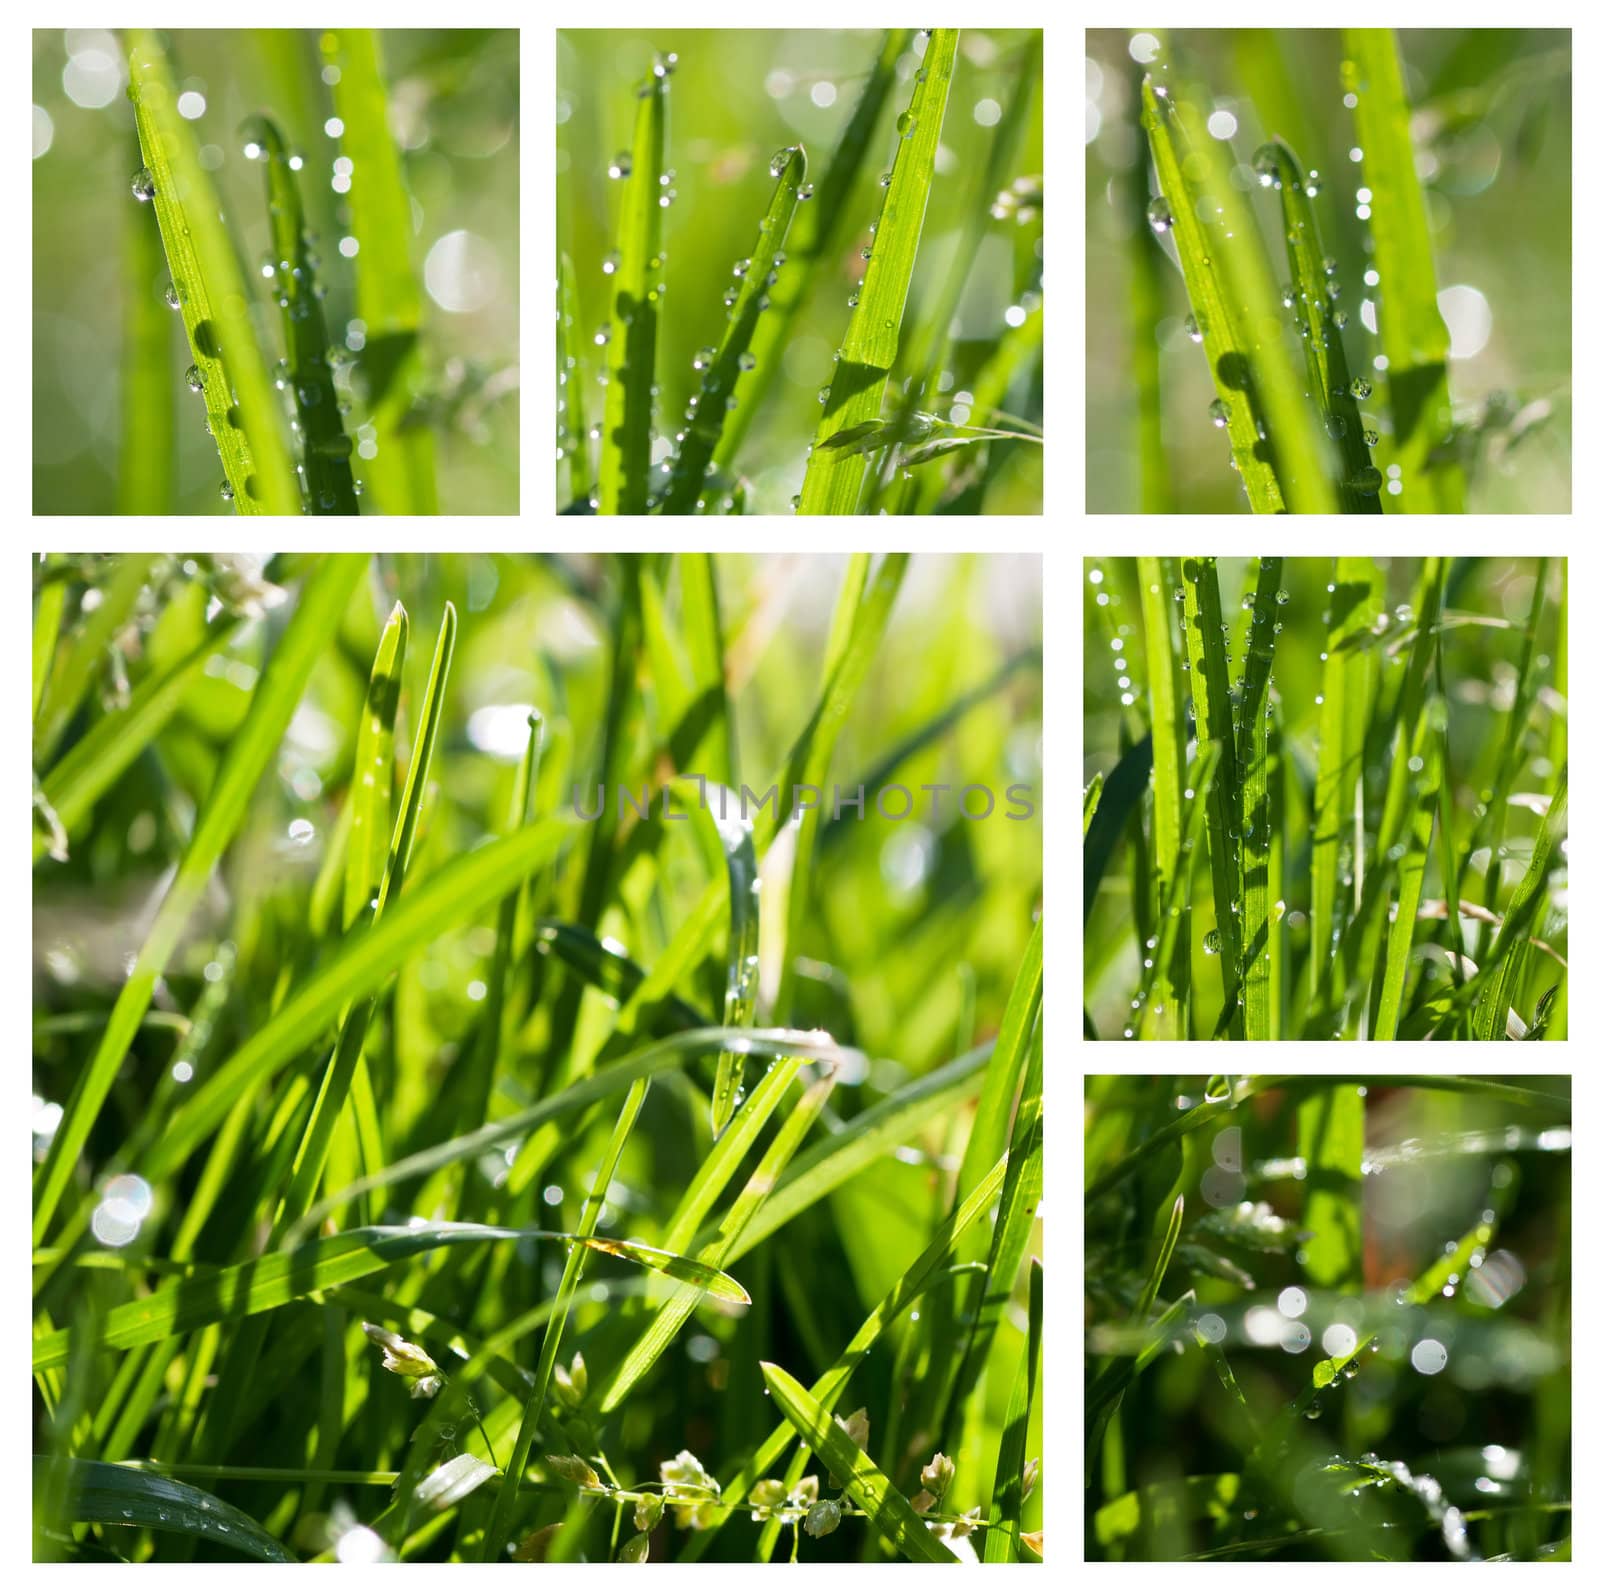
(315, 622)
(854, 396)
(1158, 1270)
(1168, 738)
(720, 368)
(702, 629)
(240, 404)
(675, 1311)
(1256, 819)
(1213, 717)
(744, 966)
(120, 1496)
(388, 290)
(1413, 332)
(1330, 1129)
(1091, 800)
(810, 240)
(1005, 1508)
(50, 599)
(147, 455)
(572, 432)
(463, 888)
(606, 968)
(83, 653)
(1319, 319)
(1108, 1389)
(635, 308)
(886, 1508)
(372, 778)
(325, 464)
(99, 758)
(1276, 444)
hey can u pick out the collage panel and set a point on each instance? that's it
(1328, 1318)
(537, 1057)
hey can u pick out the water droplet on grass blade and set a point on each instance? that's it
(174, 300)
(621, 165)
(227, 492)
(1213, 942)
(1159, 213)
(1193, 328)
(1360, 388)
(143, 184)
(195, 379)
(1219, 413)
(1266, 166)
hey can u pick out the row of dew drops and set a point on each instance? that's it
(339, 357)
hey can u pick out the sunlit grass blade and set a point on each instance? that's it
(1091, 800)
(810, 239)
(1256, 819)
(1330, 1127)
(372, 780)
(315, 623)
(1169, 994)
(1319, 320)
(119, 1496)
(635, 308)
(147, 457)
(886, 1508)
(744, 970)
(608, 969)
(572, 432)
(854, 395)
(703, 637)
(1412, 331)
(1005, 1508)
(240, 403)
(721, 367)
(325, 449)
(1281, 454)
(388, 290)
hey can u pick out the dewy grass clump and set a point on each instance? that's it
(921, 409)
(504, 1081)
(1326, 799)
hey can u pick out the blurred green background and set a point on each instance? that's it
(453, 104)
(1492, 131)
(737, 96)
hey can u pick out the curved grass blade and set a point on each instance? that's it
(267, 1282)
(810, 238)
(608, 969)
(1168, 734)
(886, 1508)
(1414, 335)
(388, 291)
(98, 759)
(1256, 819)
(147, 455)
(1276, 444)
(241, 406)
(95, 1491)
(635, 306)
(315, 622)
(572, 435)
(753, 278)
(325, 466)
(1318, 319)
(854, 396)
(1005, 1509)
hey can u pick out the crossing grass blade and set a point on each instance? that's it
(708, 408)
(886, 1508)
(607, 969)
(240, 403)
(1412, 331)
(94, 1491)
(1167, 996)
(572, 432)
(1005, 1509)
(147, 452)
(388, 290)
(315, 623)
(631, 356)
(1256, 818)
(811, 238)
(1280, 452)
(871, 342)
(325, 466)
(1319, 319)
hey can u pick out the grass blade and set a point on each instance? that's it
(1168, 736)
(810, 239)
(635, 306)
(708, 408)
(1256, 819)
(1091, 800)
(702, 627)
(1331, 1129)
(572, 434)
(1005, 1509)
(241, 406)
(744, 968)
(1280, 453)
(854, 397)
(372, 779)
(1319, 319)
(388, 292)
(322, 603)
(325, 465)
(97, 1492)
(1413, 331)
(147, 453)
(886, 1508)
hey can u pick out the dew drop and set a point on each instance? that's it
(1360, 388)
(227, 492)
(1219, 413)
(195, 379)
(174, 300)
(1192, 327)
(1159, 213)
(1213, 942)
(621, 165)
(143, 184)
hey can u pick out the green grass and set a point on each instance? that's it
(398, 1192)
(1354, 1343)
(920, 413)
(1369, 777)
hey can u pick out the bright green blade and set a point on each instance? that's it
(147, 453)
